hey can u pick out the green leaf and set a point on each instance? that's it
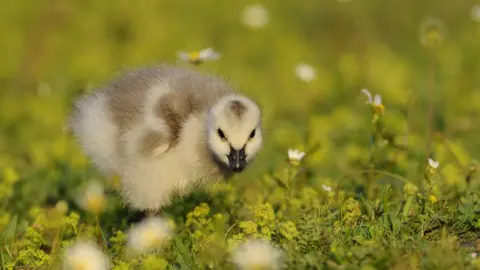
(7, 238)
(386, 197)
(8, 235)
(407, 206)
(395, 221)
(280, 183)
(368, 208)
(313, 149)
(184, 257)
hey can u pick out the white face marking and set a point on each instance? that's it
(226, 131)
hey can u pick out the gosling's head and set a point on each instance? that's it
(234, 131)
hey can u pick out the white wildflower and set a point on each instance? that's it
(369, 96)
(93, 199)
(474, 255)
(305, 72)
(327, 188)
(149, 234)
(475, 13)
(85, 255)
(433, 163)
(255, 16)
(430, 169)
(257, 254)
(295, 155)
(196, 57)
(377, 100)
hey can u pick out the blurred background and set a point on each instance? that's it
(304, 61)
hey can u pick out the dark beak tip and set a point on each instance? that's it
(238, 170)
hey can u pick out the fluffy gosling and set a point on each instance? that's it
(166, 130)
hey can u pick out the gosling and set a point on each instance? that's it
(166, 130)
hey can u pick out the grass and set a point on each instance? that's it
(363, 197)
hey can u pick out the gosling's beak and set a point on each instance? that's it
(237, 159)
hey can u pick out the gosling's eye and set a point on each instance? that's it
(252, 134)
(221, 134)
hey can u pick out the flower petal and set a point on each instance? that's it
(433, 163)
(368, 94)
(209, 54)
(183, 56)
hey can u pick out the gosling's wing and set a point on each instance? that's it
(132, 99)
(179, 94)
(162, 91)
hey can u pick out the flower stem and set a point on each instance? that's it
(99, 231)
(431, 100)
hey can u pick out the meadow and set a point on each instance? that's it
(386, 184)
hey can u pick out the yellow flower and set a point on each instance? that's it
(432, 198)
(288, 230)
(194, 56)
(248, 227)
(265, 216)
(351, 212)
(93, 199)
(202, 210)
